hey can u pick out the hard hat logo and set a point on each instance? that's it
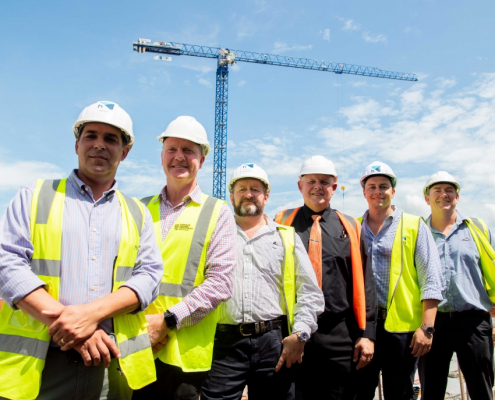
(246, 166)
(376, 168)
(107, 104)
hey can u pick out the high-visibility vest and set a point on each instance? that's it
(353, 229)
(404, 306)
(481, 236)
(24, 341)
(288, 235)
(184, 257)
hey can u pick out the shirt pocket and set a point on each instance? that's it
(270, 258)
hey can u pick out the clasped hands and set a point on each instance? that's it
(77, 327)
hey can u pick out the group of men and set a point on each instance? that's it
(174, 297)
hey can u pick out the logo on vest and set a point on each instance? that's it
(183, 227)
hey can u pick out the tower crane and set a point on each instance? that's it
(227, 57)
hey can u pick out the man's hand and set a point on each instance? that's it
(160, 345)
(73, 325)
(363, 351)
(97, 348)
(292, 352)
(420, 343)
(158, 330)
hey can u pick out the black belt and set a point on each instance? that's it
(382, 314)
(253, 328)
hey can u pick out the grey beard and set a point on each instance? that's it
(253, 210)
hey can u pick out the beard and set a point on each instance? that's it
(251, 210)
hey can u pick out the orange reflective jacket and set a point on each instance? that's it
(353, 229)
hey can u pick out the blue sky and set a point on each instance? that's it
(58, 57)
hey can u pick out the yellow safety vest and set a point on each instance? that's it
(184, 259)
(24, 341)
(404, 306)
(288, 274)
(481, 236)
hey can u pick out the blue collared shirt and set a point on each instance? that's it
(464, 289)
(90, 243)
(426, 258)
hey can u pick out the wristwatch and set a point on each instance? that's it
(428, 329)
(302, 336)
(170, 320)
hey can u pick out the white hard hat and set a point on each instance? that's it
(185, 127)
(249, 171)
(378, 168)
(441, 177)
(109, 113)
(317, 165)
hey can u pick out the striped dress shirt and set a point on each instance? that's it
(90, 243)
(220, 261)
(258, 282)
(426, 259)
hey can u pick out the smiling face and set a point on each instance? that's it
(378, 192)
(442, 197)
(249, 197)
(317, 190)
(181, 160)
(100, 150)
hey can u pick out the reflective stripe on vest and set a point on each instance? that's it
(184, 255)
(288, 273)
(24, 341)
(353, 229)
(404, 306)
(481, 236)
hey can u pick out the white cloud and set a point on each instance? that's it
(326, 34)
(241, 83)
(423, 133)
(281, 47)
(20, 173)
(205, 82)
(372, 38)
(349, 25)
(245, 28)
(444, 83)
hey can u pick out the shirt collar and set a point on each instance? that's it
(395, 214)
(194, 195)
(83, 188)
(459, 219)
(308, 212)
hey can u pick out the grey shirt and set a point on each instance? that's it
(464, 289)
(258, 282)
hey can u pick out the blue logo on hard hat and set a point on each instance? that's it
(376, 168)
(107, 104)
(248, 165)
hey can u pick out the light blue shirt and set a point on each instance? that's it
(90, 243)
(426, 259)
(464, 289)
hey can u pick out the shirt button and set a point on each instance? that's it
(82, 191)
(86, 188)
(96, 204)
(93, 288)
(93, 258)
(94, 229)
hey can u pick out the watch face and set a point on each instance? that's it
(304, 336)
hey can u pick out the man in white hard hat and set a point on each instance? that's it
(463, 323)
(406, 268)
(78, 265)
(346, 328)
(196, 235)
(262, 329)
